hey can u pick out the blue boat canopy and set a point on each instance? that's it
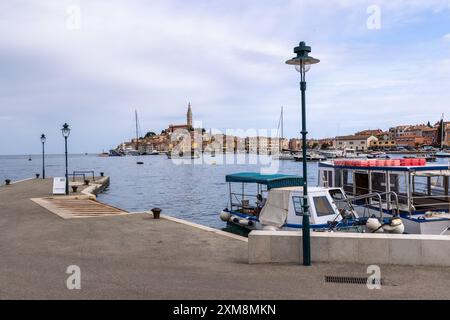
(270, 180)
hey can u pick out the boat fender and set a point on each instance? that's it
(270, 228)
(373, 225)
(225, 216)
(234, 219)
(244, 222)
(395, 226)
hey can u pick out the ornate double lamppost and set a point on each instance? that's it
(302, 63)
(66, 132)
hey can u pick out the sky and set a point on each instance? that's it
(92, 63)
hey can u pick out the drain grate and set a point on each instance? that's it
(349, 280)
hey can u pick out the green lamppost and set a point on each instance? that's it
(302, 63)
(43, 138)
(66, 132)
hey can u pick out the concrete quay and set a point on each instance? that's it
(367, 248)
(133, 256)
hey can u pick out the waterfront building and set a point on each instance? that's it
(240, 144)
(283, 144)
(253, 144)
(410, 140)
(370, 132)
(383, 144)
(353, 142)
(295, 144)
(398, 131)
(430, 135)
(156, 142)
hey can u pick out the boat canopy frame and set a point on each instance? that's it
(270, 180)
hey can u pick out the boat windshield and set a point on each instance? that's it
(430, 190)
(323, 206)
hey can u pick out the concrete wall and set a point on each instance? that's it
(364, 248)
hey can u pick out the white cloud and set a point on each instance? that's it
(227, 58)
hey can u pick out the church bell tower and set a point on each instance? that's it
(189, 116)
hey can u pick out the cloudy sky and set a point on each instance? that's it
(91, 63)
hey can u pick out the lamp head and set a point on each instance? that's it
(43, 138)
(65, 130)
(302, 61)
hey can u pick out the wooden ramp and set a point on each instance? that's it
(77, 207)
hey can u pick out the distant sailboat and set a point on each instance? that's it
(137, 137)
(280, 154)
(29, 158)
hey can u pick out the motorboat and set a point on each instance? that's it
(116, 153)
(310, 157)
(332, 153)
(419, 191)
(442, 154)
(428, 157)
(278, 205)
(284, 156)
(183, 155)
(378, 155)
(351, 153)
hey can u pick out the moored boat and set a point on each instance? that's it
(183, 155)
(428, 157)
(310, 157)
(442, 154)
(378, 155)
(419, 191)
(278, 206)
(284, 156)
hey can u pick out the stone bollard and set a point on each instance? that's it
(37, 175)
(156, 212)
(7, 181)
(74, 188)
(102, 174)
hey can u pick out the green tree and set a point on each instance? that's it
(324, 146)
(439, 133)
(150, 134)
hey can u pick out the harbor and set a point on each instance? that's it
(225, 156)
(137, 257)
(157, 183)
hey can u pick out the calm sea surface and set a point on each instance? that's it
(192, 191)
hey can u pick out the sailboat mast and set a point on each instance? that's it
(442, 132)
(282, 128)
(137, 133)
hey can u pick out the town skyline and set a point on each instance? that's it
(192, 135)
